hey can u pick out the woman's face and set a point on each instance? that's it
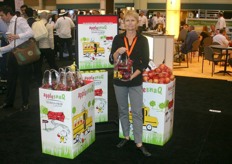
(131, 23)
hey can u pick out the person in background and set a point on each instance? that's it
(29, 16)
(17, 13)
(221, 23)
(95, 12)
(36, 15)
(74, 16)
(52, 21)
(136, 46)
(158, 20)
(46, 47)
(153, 22)
(3, 60)
(88, 12)
(81, 13)
(212, 30)
(183, 33)
(121, 22)
(143, 22)
(63, 26)
(204, 34)
(223, 39)
(190, 38)
(23, 33)
(23, 8)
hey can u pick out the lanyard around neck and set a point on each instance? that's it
(132, 46)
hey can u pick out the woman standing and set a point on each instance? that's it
(135, 46)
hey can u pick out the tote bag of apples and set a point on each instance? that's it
(66, 79)
(160, 75)
(123, 68)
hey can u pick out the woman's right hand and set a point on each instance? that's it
(119, 51)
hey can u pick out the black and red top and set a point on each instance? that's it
(139, 55)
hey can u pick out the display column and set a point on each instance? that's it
(41, 4)
(107, 5)
(138, 4)
(173, 17)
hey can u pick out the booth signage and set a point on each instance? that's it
(95, 34)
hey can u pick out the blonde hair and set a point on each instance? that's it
(132, 13)
(204, 28)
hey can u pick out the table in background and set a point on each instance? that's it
(220, 47)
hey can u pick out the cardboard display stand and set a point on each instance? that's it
(158, 113)
(95, 34)
(67, 120)
(100, 78)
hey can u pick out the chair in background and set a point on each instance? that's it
(209, 55)
(177, 56)
(195, 48)
(218, 52)
(185, 58)
(206, 42)
(182, 35)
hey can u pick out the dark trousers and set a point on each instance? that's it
(56, 45)
(3, 70)
(3, 61)
(62, 43)
(14, 72)
(50, 57)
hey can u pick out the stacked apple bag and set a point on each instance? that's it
(67, 79)
(160, 75)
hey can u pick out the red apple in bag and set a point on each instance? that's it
(46, 86)
(61, 87)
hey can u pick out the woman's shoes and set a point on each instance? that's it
(144, 151)
(122, 143)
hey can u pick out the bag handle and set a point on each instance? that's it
(50, 79)
(15, 31)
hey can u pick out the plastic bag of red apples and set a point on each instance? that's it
(64, 80)
(160, 75)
